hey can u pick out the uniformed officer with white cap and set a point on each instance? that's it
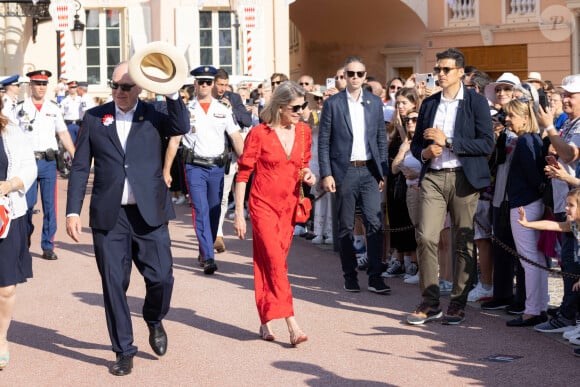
(71, 110)
(205, 157)
(41, 119)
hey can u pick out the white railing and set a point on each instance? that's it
(522, 7)
(460, 10)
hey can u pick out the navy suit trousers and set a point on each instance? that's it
(359, 186)
(132, 240)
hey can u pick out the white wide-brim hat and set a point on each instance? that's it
(504, 79)
(159, 67)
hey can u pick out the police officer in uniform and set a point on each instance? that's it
(11, 87)
(205, 157)
(71, 110)
(41, 119)
(87, 102)
(243, 118)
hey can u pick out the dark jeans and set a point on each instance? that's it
(571, 299)
(359, 187)
(505, 265)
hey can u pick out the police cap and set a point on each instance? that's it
(39, 75)
(204, 72)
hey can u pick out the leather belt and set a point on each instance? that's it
(446, 170)
(359, 163)
(48, 155)
(72, 122)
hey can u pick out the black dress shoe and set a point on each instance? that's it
(123, 366)
(158, 340)
(209, 266)
(49, 255)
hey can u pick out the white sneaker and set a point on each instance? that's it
(362, 261)
(329, 241)
(317, 240)
(478, 293)
(180, 200)
(412, 279)
(411, 270)
(572, 333)
(575, 340)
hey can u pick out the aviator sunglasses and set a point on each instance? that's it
(122, 86)
(445, 70)
(351, 74)
(297, 108)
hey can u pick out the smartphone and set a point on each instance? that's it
(551, 160)
(421, 78)
(543, 100)
(430, 81)
(330, 83)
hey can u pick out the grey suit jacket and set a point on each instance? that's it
(335, 136)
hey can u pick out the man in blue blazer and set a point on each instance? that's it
(130, 206)
(352, 152)
(453, 138)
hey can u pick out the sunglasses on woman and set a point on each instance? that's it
(410, 119)
(297, 108)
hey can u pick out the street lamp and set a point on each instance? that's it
(78, 30)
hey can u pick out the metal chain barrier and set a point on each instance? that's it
(506, 248)
(527, 260)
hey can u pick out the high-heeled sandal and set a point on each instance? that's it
(265, 335)
(296, 339)
(4, 360)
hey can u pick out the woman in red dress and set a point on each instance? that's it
(278, 152)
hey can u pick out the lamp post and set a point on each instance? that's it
(78, 30)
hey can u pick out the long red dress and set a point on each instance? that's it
(273, 198)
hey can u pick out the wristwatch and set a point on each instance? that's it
(449, 143)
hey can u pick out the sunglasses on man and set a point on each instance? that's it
(351, 74)
(122, 86)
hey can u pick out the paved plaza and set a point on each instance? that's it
(59, 337)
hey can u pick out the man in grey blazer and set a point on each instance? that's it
(352, 152)
(453, 138)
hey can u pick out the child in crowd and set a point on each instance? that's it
(570, 225)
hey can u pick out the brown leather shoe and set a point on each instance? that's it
(219, 244)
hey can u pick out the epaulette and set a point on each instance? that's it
(19, 102)
(54, 102)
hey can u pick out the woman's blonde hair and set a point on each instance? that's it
(523, 108)
(575, 193)
(285, 93)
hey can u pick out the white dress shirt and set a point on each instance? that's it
(357, 119)
(445, 120)
(123, 122)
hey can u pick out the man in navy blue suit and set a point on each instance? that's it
(352, 152)
(130, 206)
(453, 138)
